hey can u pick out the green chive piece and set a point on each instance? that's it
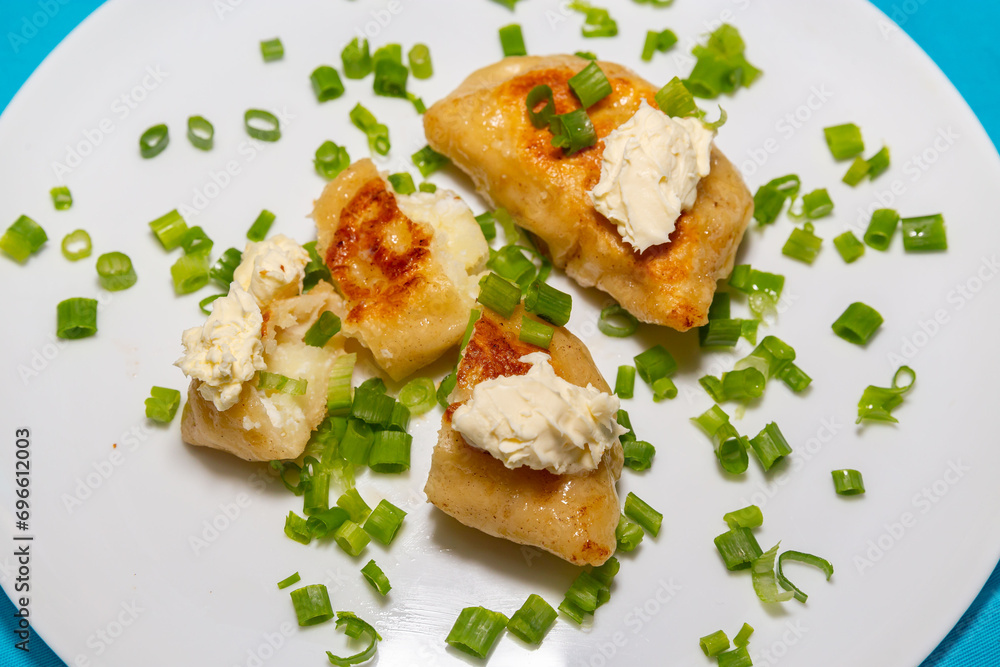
(743, 385)
(262, 125)
(326, 83)
(849, 247)
(541, 117)
(597, 21)
(639, 511)
(372, 407)
(374, 575)
(222, 271)
(351, 538)
(115, 272)
(590, 85)
(878, 164)
(312, 604)
(721, 332)
(162, 404)
(848, 482)
(748, 330)
(675, 100)
(354, 627)
(924, 234)
(534, 332)
(390, 452)
(427, 187)
(326, 326)
(572, 131)
(802, 244)
(428, 161)
(446, 387)
(739, 657)
(153, 141)
(881, 228)
(420, 61)
(816, 204)
(297, 528)
(817, 562)
(771, 197)
(532, 620)
(272, 49)
(289, 580)
(315, 270)
(655, 363)
(628, 534)
(390, 74)
(354, 504)
(714, 644)
(720, 308)
(487, 224)
(858, 323)
(765, 583)
(877, 403)
(661, 41)
(857, 171)
(62, 199)
(418, 395)
(713, 386)
(356, 59)
(277, 382)
(548, 303)
(385, 521)
(76, 245)
(169, 229)
(357, 442)
(732, 450)
(260, 227)
(195, 240)
(377, 133)
(201, 133)
(476, 630)
(638, 454)
(742, 637)
(722, 66)
(589, 590)
(499, 295)
(330, 160)
(748, 517)
(793, 376)
(316, 496)
(664, 388)
(512, 41)
(770, 446)
(190, 273)
(844, 141)
(402, 183)
(625, 382)
(23, 238)
(586, 55)
(738, 548)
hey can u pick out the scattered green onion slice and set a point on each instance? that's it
(322, 330)
(418, 395)
(638, 454)
(590, 84)
(849, 247)
(374, 575)
(62, 199)
(390, 76)
(924, 234)
(420, 61)
(258, 230)
(628, 535)
(190, 273)
(446, 387)
(23, 238)
(402, 183)
(589, 590)
(476, 630)
(534, 332)
(272, 49)
(222, 271)
(80, 240)
(377, 133)
(385, 521)
(512, 41)
(748, 517)
(548, 303)
(771, 197)
(352, 502)
(372, 407)
(499, 295)
(390, 451)
(857, 171)
(739, 657)
(655, 363)
(351, 538)
(169, 229)
(262, 125)
(711, 420)
(639, 511)
(277, 382)
(770, 446)
(815, 205)
(201, 133)
(881, 228)
(312, 604)
(720, 308)
(354, 627)
(625, 382)
(802, 244)
(738, 548)
(324, 522)
(532, 620)
(541, 117)
(664, 388)
(742, 637)
(356, 59)
(326, 83)
(115, 272)
(714, 644)
(742, 385)
(587, 55)
(617, 322)
(732, 451)
(153, 141)
(196, 240)
(808, 559)
(844, 140)
(573, 131)
(848, 482)
(878, 164)
(597, 22)
(315, 270)
(289, 580)
(722, 66)
(793, 376)
(427, 187)
(428, 161)
(331, 159)
(205, 304)
(662, 40)
(858, 323)
(721, 332)
(162, 404)
(765, 583)
(487, 224)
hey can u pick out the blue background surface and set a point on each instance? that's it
(958, 34)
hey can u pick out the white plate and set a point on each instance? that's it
(115, 578)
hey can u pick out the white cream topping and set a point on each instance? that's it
(650, 170)
(272, 269)
(458, 242)
(540, 420)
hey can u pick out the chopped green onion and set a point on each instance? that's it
(354, 627)
(848, 482)
(316, 270)
(587, 55)
(316, 497)
(849, 247)
(115, 272)
(169, 229)
(330, 160)
(289, 580)
(771, 197)
(748, 517)
(590, 85)
(196, 240)
(532, 620)
(541, 117)
(808, 559)
(628, 535)
(623, 419)
(420, 61)
(512, 41)
(625, 382)
(548, 303)
(356, 444)
(739, 657)
(732, 450)
(802, 244)
(476, 630)
(62, 199)
(722, 66)
(881, 228)
(390, 452)
(738, 548)
(742, 637)
(655, 363)
(675, 100)
(402, 183)
(858, 323)
(597, 22)
(714, 644)
(338, 394)
(844, 140)
(770, 446)
(499, 295)
(418, 103)
(510, 264)
(794, 377)
(377, 133)
(162, 404)
(190, 273)
(272, 49)
(720, 332)
(326, 83)
(262, 125)
(258, 230)
(446, 387)
(322, 330)
(201, 133)
(857, 171)
(80, 240)
(371, 406)
(390, 75)
(277, 382)
(312, 604)
(282, 468)
(720, 308)
(765, 583)
(639, 511)
(573, 131)
(664, 388)
(535, 333)
(351, 538)
(428, 161)
(748, 329)
(878, 164)
(638, 454)
(356, 59)
(427, 187)
(589, 590)
(23, 238)
(385, 521)
(374, 575)
(153, 141)
(390, 52)
(356, 507)
(742, 385)
(815, 205)
(924, 234)
(711, 420)
(662, 41)
(418, 395)
(487, 224)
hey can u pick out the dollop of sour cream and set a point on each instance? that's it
(540, 420)
(650, 170)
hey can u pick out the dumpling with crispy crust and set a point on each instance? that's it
(407, 266)
(483, 126)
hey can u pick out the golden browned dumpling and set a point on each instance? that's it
(484, 128)
(407, 267)
(573, 516)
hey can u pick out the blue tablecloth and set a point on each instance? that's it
(958, 35)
